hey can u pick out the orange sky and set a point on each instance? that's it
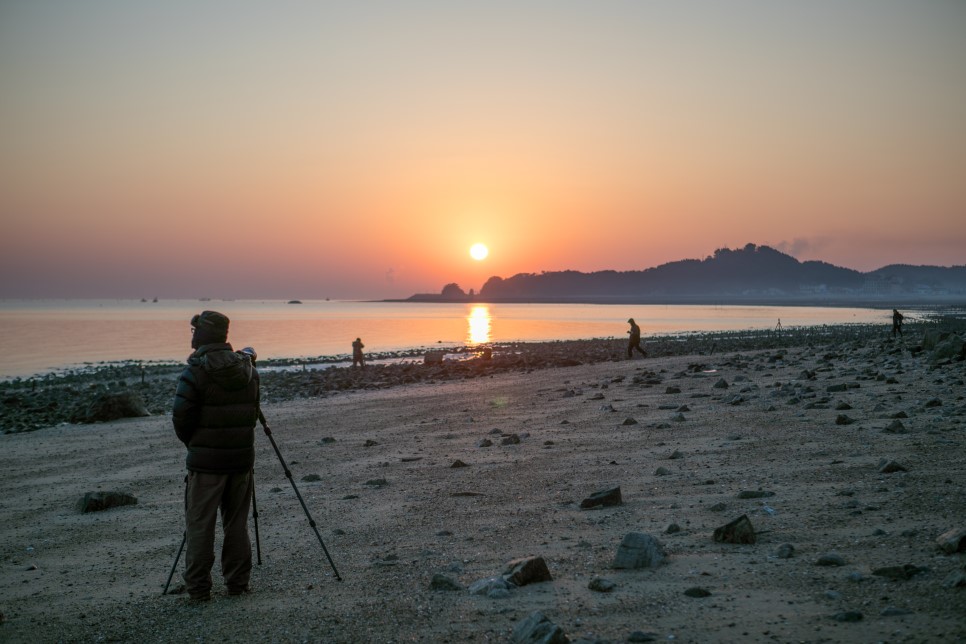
(322, 150)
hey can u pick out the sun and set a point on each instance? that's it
(479, 251)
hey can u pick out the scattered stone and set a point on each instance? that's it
(898, 573)
(643, 636)
(604, 498)
(311, 478)
(843, 406)
(326, 440)
(892, 611)
(675, 455)
(672, 390)
(932, 402)
(891, 467)
(738, 531)
(697, 591)
(639, 550)
(601, 585)
(458, 463)
(537, 628)
(370, 443)
(99, 501)
(785, 551)
(662, 471)
(721, 384)
(629, 421)
(527, 570)
(955, 579)
(442, 582)
(952, 541)
(512, 439)
(755, 494)
(718, 507)
(597, 396)
(377, 482)
(843, 419)
(895, 427)
(672, 529)
(484, 442)
(837, 388)
(848, 616)
(830, 559)
(490, 585)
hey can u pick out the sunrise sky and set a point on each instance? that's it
(358, 149)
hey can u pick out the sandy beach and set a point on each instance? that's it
(845, 456)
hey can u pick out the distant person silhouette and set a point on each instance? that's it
(896, 323)
(634, 342)
(357, 357)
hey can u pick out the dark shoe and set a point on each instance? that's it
(236, 591)
(199, 598)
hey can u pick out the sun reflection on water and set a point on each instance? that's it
(479, 324)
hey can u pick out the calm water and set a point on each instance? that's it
(40, 336)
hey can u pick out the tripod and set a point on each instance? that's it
(258, 546)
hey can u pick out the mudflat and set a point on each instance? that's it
(846, 458)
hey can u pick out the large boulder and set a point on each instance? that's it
(951, 348)
(527, 570)
(738, 531)
(604, 498)
(952, 541)
(639, 550)
(112, 406)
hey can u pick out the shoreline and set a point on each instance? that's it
(57, 399)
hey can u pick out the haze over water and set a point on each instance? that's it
(39, 336)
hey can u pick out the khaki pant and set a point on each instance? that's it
(205, 495)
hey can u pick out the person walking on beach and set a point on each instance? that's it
(214, 415)
(357, 357)
(634, 342)
(896, 323)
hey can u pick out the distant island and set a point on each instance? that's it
(749, 275)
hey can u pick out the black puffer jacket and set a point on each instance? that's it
(216, 408)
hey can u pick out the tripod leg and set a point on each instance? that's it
(258, 542)
(175, 564)
(288, 475)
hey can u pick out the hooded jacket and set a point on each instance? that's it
(216, 408)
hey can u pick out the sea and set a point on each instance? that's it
(39, 337)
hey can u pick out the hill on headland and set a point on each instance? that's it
(753, 274)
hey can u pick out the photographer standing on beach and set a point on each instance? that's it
(215, 411)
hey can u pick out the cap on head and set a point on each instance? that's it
(210, 326)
